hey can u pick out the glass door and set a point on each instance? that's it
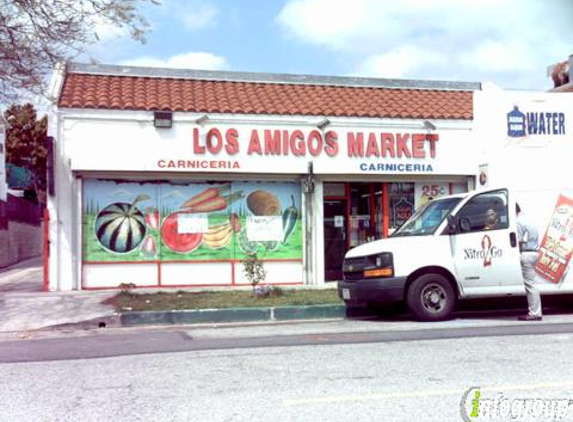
(334, 238)
(353, 214)
(365, 212)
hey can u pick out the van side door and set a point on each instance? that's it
(484, 245)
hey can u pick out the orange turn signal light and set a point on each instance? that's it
(379, 272)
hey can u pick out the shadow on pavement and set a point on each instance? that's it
(489, 308)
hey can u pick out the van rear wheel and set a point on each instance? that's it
(431, 297)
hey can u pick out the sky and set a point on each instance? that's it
(510, 43)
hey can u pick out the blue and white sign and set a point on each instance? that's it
(528, 123)
(516, 123)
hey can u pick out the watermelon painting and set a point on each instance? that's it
(120, 227)
(179, 242)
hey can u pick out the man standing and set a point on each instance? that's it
(528, 246)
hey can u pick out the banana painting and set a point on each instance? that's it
(218, 236)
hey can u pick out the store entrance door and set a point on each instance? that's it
(334, 238)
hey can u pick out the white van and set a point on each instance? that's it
(447, 251)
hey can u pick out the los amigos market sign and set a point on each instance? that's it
(227, 149)
(268, 149)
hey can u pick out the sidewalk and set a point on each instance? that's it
(24, 307)
(34, 311)
(25, 276)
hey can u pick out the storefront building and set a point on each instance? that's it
(171, 178)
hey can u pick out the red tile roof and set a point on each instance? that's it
(101, 91)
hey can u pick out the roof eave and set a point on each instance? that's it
(274, 78)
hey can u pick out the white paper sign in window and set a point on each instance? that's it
(264, 229)
(192, 223)
(338, 221)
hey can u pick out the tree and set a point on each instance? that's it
(37, 34)
(26, 143)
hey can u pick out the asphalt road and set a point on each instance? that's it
(65, 344)
(409, 380)
(377, 369)
(181, 340)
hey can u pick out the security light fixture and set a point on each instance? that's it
(202, 119)
(323, 123)
(163, 119)
(429, 125)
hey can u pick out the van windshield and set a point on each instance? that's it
(426, 220)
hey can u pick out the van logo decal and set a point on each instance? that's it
(487, 253)
(486, 247)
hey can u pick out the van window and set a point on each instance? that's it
(428, 218)
(488, 211)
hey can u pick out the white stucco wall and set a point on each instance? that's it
(124, 144)
(537, 166)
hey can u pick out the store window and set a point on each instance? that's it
(178, 224)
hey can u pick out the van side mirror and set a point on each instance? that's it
(452, 226)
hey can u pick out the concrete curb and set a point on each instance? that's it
(196, 316)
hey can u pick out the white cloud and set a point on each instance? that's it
(444, 39)
(201, 17)
(496, 56)
(324, 22)
(106, 31)
(398, 63)
(192, 60)
(194, 14)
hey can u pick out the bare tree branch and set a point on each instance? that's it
(37, 34)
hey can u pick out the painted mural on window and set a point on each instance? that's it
(184, 221)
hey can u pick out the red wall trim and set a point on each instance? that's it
(46, 239)
(348, 210)
(159, 273)
(176, 286)
(119, 262)
(206, 261)
(372, 208)
(385, 209)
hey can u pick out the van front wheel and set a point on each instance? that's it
(431, 298)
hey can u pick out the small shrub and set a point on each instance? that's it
(254, 271)
(126, 287)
